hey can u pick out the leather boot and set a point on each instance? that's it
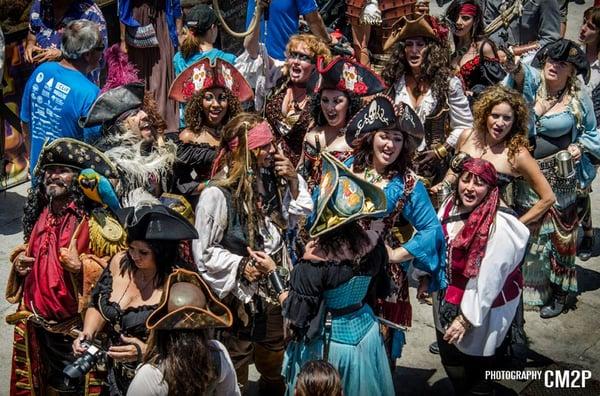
(434, 348)
(557, 305)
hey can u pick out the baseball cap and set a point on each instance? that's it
(200, 18)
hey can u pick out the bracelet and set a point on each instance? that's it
(463, 321)
(276, 282)
(440, 151)
(447, 184)
(242, 267)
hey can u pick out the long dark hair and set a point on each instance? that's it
(355, 103)
(363, 155)
(166, 254)
(477, 31)
(434, 71)
(37, 201)
(185, 359)
(194, 117)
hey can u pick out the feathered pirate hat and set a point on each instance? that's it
(346, 75)
(343, 197)
(77, 155)
(381, 114)
(416, 25)
(564, 50)
(122, 92)
(188, 304)
(204, 75)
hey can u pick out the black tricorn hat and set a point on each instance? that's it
(564, 50)
(111, 104)
(346, 75)
(381, 114)
(75, 154)
(155, 222)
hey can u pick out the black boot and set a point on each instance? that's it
(434, 348)
(557, 305)
(585, 248)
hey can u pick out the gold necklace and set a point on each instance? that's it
(372, 178)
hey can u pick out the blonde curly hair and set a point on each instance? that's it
(495, 95)
(315, 45)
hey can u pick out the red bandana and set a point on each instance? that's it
(473, 237)
(469, 9)
(258, 136)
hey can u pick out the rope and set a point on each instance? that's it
(257, 14)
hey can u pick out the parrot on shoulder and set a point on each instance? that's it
(99, 189)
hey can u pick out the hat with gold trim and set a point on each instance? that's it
(346, 75)
(343, 197)
(381, 114)
(75, 154)
(188, 304)
(205, 75)
(564, 50)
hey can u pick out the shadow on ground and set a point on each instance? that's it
(11, 212)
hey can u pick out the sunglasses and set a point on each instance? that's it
(293, 55)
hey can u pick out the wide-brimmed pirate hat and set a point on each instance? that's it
(179, 204)
(381, 114)
(343, 197)
(112, 103)
(188, 304)
(346, 75)
(204, 75)
(416, 25)
(564, 50)
(77, 155)
(155, 222)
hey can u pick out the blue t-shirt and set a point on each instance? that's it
(181, 64)
(55, 98)
(283, 22)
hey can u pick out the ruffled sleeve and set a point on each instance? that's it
(461, 117)
(217, 265)
(194, 154)
(306, 291)
(427, 245)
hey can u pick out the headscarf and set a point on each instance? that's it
(474, 235)
(469, 9)
(256, 137)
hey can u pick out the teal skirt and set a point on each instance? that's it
(364, 367)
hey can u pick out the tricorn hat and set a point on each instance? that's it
(416, 25)
(347, 75)
(204, 75)
(188, 304)
(155, 222)
(565, 51)
(343, 197)
(111, 104)
(75, 154)
(381, 114)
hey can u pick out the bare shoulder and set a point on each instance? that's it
(187, 135)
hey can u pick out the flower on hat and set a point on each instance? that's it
(188, 89)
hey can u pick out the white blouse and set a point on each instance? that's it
(148, 380)
(217, 265)
(460, 113)
(505, 250)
